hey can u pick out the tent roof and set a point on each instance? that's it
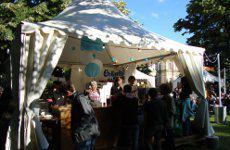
(100, 19)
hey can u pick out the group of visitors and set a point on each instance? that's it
(143, 124)
(157, 116)
(213, 98)
(159, 113)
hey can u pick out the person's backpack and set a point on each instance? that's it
(86, 126)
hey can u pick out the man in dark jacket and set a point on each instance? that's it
(84, 124)
(155, 119)
(129, 118)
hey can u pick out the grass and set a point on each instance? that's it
(221, 130)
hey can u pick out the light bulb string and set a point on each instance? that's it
(117, 46)
(210, 59)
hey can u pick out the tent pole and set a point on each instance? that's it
(219, 79)
(225, 81)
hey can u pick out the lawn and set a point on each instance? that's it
(221, 130)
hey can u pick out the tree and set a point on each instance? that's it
(12, 12)
(208, 21)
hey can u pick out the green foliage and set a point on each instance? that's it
(208, 21)
(13, 12)
(144, 68)
(121, 5)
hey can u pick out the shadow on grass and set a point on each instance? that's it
(223, 131)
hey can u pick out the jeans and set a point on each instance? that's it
(186, 127)
(86, 145)
(129, 134)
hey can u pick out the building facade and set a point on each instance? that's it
(166, 71)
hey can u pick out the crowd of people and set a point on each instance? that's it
(143, 123)
(153, 118)
(213, 99)
(144, 119)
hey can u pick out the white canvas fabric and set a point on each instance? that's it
(41, 50)
(150, 79)
(192, 67)
(132, 71)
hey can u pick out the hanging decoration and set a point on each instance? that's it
(90, 45)
(131, 59)
(114, 59)
(98, 62)
(79, 69)
(93, 68)
(146, 59)
(94, 56)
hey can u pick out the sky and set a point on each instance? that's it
(159, 16)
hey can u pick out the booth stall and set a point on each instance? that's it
(90, 36)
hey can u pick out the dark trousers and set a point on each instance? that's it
(169, 140)
(155, 132)
(129, 136)
(186, 127)
(86, 145)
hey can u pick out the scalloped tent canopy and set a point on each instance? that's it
(123, 38)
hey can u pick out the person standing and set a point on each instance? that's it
(116, 90)
(155, 119)
(131, 81)
(187, 111)
(117, 87)
(94, 94)
(171, 112)
(84, 124)
(129, 119)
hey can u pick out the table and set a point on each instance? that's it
(52, 131)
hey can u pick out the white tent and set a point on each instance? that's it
(208, 77)
(96, 22)
(132, 71)
(150, 80)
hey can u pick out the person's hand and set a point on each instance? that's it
(194, 101)
(69, 93)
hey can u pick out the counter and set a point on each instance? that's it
(109, 127)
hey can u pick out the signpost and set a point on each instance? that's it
(219, 80)
(220, 111)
